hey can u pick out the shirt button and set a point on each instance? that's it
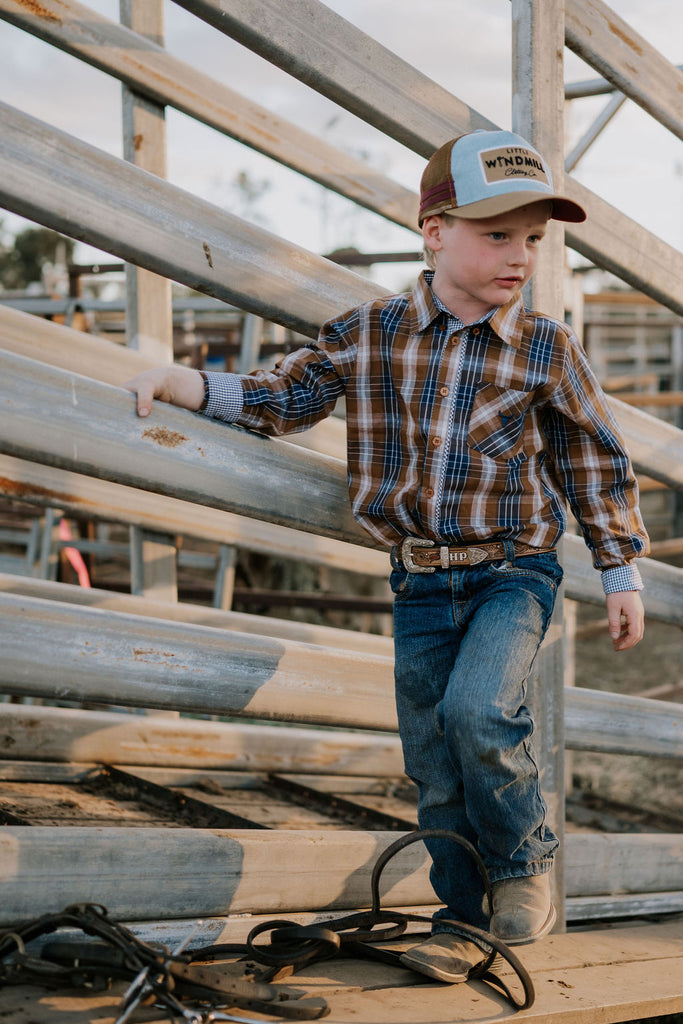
(429, 492)
(475, 331)
(444, 391)
(436, 441)
(455, 339)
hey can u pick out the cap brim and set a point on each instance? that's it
(562, 208)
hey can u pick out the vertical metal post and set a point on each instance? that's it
(149, 320)
(537, 115)
(225, 577)
(149, 313)
(250, 347)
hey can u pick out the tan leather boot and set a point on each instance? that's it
(522, 909)
(444, 956)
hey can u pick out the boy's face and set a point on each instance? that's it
(480, 264)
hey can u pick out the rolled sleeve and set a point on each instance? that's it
(621, 577)
(225, 397)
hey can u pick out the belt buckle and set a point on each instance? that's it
(407, 546)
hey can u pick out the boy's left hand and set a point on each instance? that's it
(626, 619)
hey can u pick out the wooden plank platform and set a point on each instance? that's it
(599, 976)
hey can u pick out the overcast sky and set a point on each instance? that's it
(636, 164)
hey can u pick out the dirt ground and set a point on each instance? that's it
(654, 784)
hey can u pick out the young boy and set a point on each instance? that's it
(471, 422)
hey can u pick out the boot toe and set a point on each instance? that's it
(444, 956)
(522, 909)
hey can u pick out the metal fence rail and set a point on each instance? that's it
(83, 426)
(110, 203)
(384, 90)
(58, 650)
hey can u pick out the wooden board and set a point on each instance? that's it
(586, 976)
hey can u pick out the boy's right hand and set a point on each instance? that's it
(178, 385)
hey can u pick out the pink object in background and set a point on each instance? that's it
(74, 556)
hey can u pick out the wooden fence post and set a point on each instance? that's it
(149, 313)
(537, 109)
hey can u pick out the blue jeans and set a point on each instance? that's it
(465, 641)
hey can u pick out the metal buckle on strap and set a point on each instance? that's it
(447, 556)
(476, 555)
(407, 547)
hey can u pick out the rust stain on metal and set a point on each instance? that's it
(184, 750)
(625, 38)
(39, 10)
(22, 490)
(146, 75)
(165, 437)
(151, 656)
(207, 253)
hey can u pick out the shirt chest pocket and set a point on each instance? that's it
(497, 421)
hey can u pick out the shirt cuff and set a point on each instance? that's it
(621, 577)
(225, 396)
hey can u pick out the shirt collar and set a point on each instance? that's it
(507, 321)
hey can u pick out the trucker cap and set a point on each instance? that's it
(485, 173)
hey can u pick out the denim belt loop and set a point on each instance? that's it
(509, 548)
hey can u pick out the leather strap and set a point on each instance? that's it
(445, 557)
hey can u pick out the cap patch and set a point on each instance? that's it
(513, 162)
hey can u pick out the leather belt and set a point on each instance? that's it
(420, 555)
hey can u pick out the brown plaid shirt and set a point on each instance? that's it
(461, 434)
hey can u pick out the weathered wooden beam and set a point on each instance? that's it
(647, 445)
(199, 871)
(73, 652)
(172, 451)
(615, 243)
(649, 862)
(35, 338)
(658, 276)
(104, 360)
(148, 68)
(537, 115)
(101, 500)
(654, 444)
(200, 615)
(68, 735)
(149, 305)
(597, 908)
(596, 33)
(206, 872)
(97, 198)
(592, 87)
(326, 52)
(112, 657)
(92, 429)
(616, 723)
(126, 210)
